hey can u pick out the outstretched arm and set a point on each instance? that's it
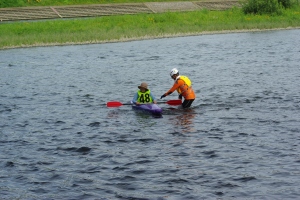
(175, 86)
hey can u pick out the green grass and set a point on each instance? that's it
(141, 26)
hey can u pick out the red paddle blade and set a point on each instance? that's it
(114, 104)
(176, 102)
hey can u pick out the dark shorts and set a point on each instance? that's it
(187, 103)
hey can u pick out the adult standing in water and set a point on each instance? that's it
(183, 85)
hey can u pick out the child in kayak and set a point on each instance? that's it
(143, 95)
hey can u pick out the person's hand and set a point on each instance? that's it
(163, 96)
(137, 103)
(180, 96)
(155, 102)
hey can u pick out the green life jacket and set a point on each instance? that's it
(144, 97)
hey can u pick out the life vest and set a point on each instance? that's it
(144, 97)
(186, 88)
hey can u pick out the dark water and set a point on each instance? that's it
(240, 140)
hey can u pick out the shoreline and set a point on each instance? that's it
(148, 37)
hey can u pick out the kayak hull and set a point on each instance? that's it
(151, 108)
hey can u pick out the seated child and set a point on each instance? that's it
(143, 95)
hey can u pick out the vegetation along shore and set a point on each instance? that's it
(252, 15)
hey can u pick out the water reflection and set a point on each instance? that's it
(113, 114)
(184, 120)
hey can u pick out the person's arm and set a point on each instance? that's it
(153, 98)
(176, 85)
(134, 100)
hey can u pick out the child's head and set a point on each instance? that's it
(143, 87)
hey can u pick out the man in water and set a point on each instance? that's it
(183, 85)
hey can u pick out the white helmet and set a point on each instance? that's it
(174, 71)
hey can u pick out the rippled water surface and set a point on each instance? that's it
(240, 139)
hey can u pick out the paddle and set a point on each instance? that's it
(176, 102)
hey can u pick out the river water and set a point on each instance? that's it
(240, 139)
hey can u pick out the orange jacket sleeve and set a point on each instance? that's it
(176, 85)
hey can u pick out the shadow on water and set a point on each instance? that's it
(145, 115)
(182, 119)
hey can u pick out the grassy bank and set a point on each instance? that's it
(142, 26)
